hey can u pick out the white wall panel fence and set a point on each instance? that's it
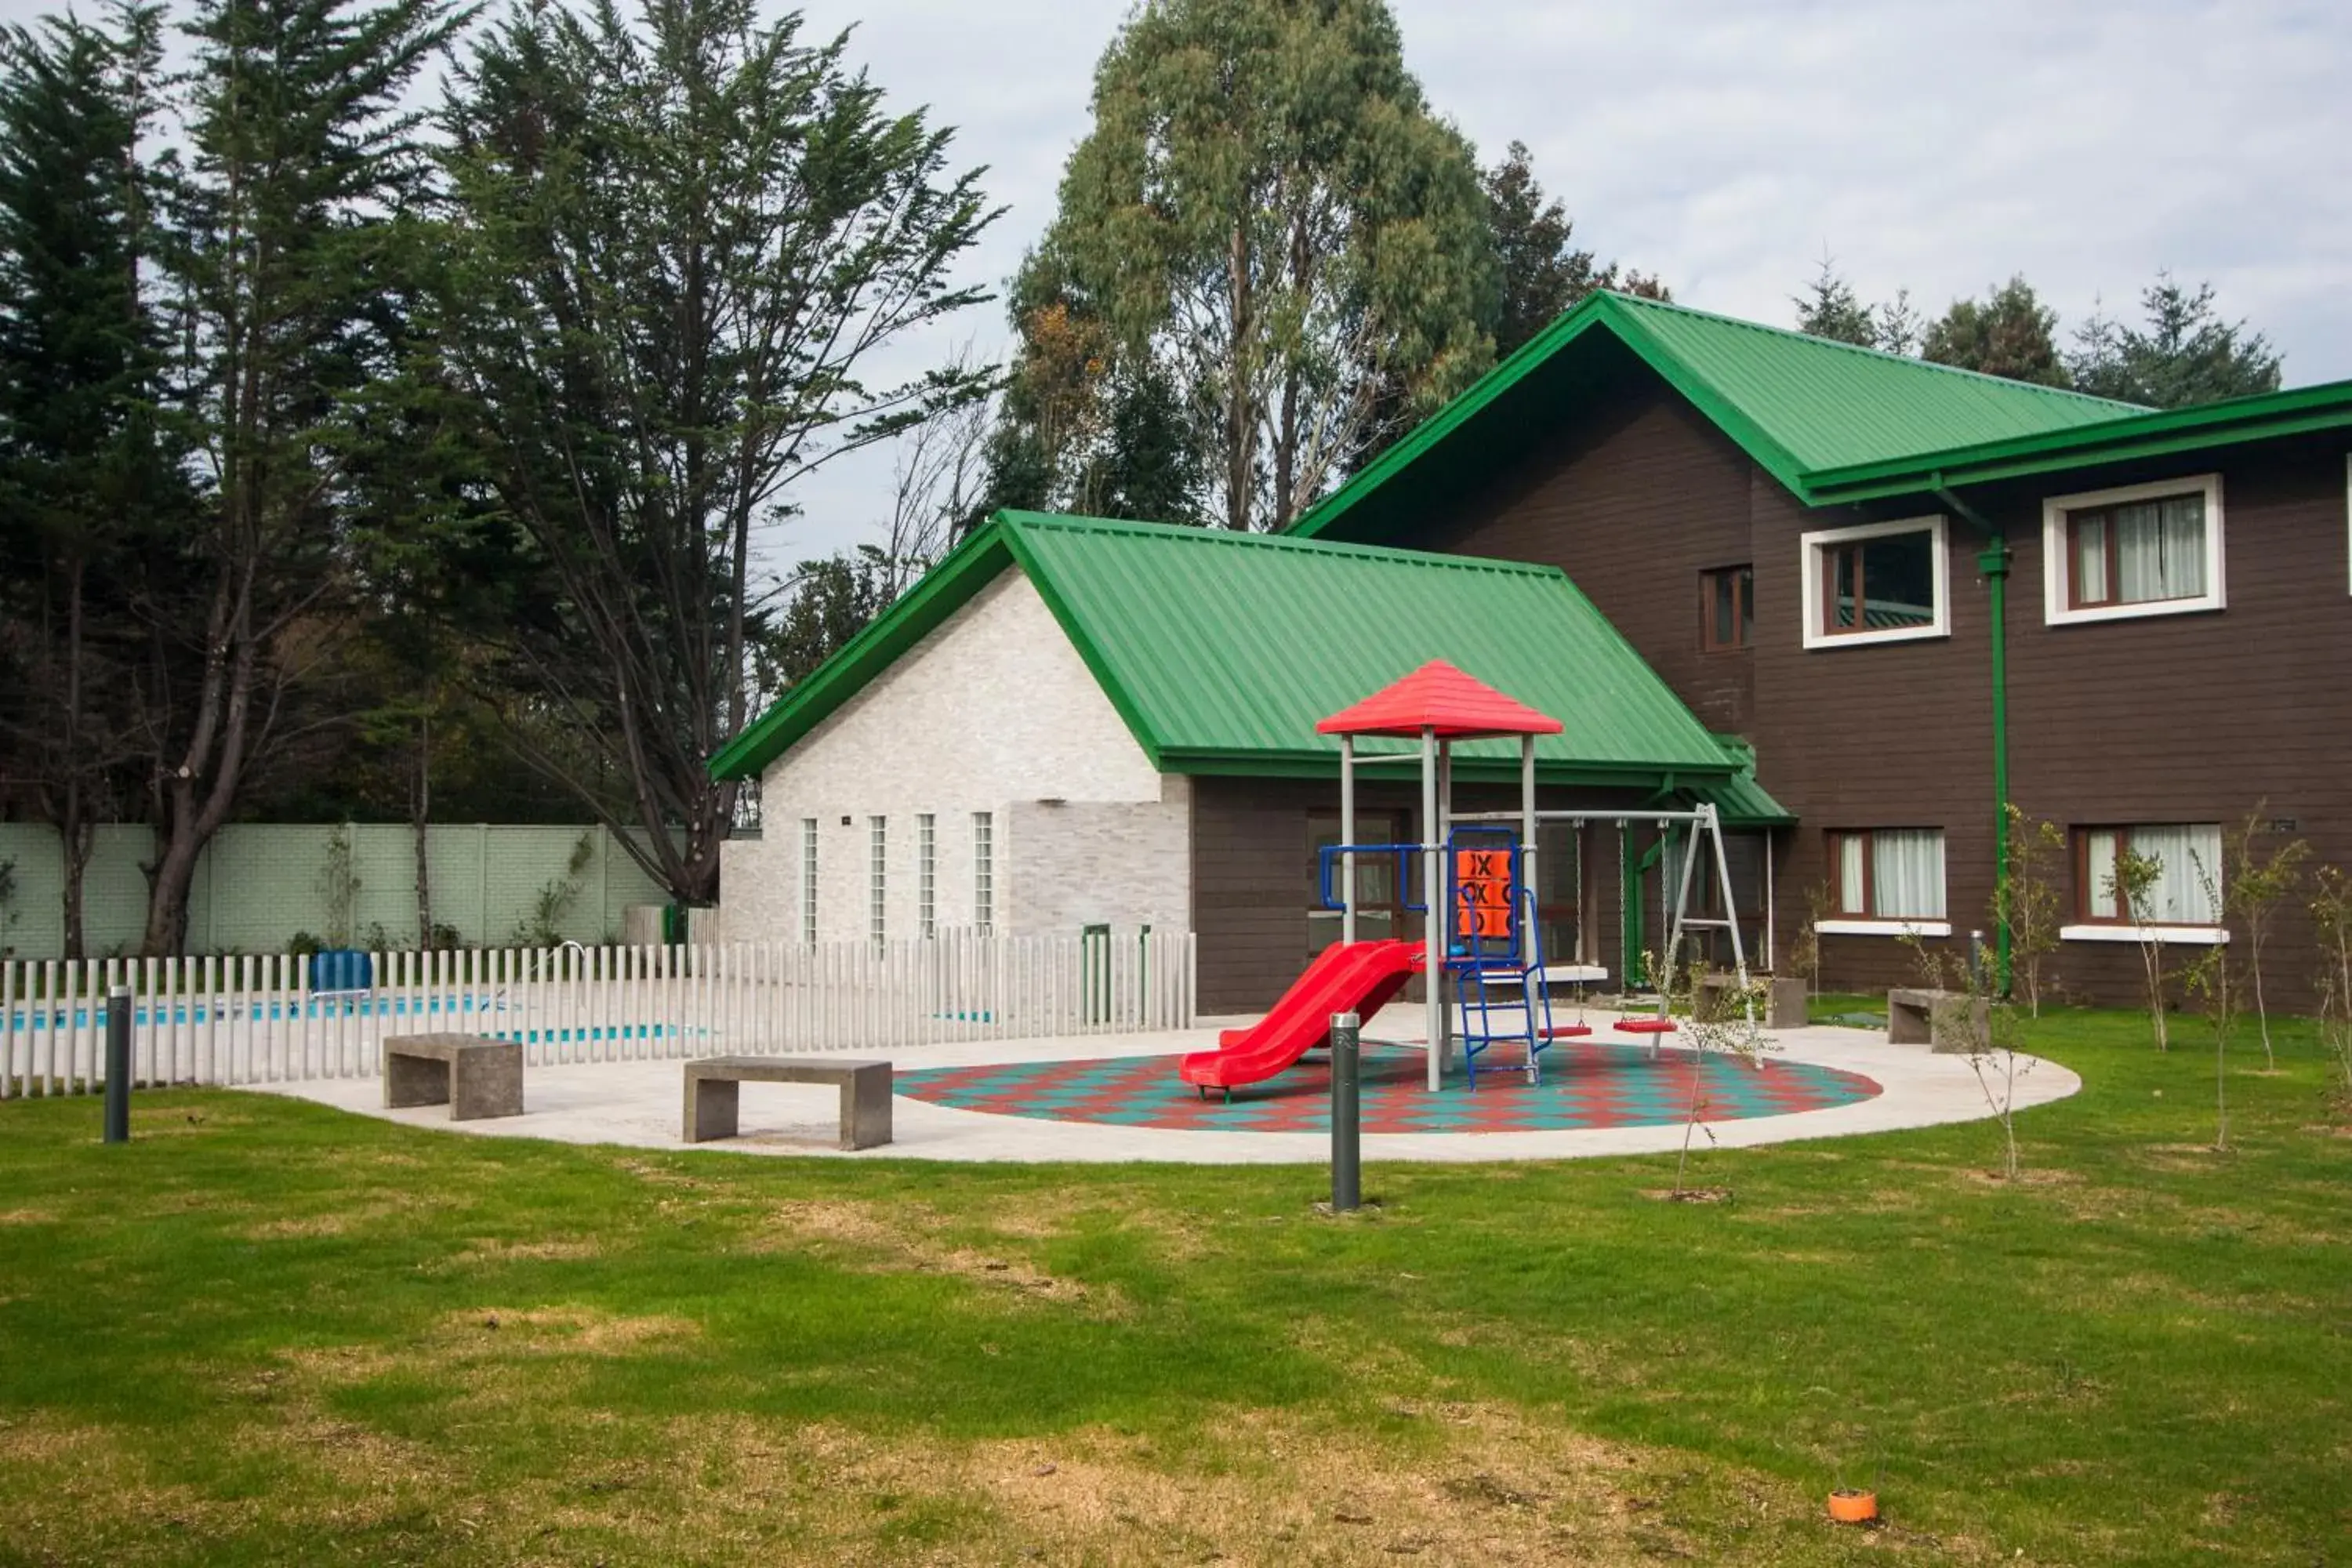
(240, 1020)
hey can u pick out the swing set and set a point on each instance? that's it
(1489, 942)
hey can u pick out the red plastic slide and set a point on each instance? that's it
(1345, 978)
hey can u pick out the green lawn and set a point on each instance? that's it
(269, 1332)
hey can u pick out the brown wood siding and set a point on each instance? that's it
(2202, 717)
(1633, 502)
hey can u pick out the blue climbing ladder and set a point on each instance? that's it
(1495, 952)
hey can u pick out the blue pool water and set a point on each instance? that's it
(39, 1019)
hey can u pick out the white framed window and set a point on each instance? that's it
(983, 872)
(1887, 881)
(2181, 900)
(808, 881)
(877, 878)
(2141, 549)
(927, 876)
(1877, 582)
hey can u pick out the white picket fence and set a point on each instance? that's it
(236, 1020)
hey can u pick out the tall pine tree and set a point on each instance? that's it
(86, 478)
(303, 178)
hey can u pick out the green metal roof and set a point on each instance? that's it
(1796, 403)
(2264, 416)
(1221, 650)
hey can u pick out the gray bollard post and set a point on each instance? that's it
(117, 1065)
(1346, 1143)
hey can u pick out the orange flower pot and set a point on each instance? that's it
(1848, 1506)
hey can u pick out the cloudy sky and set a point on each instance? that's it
(1728, 145)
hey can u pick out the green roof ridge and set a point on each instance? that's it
(1768, 388)
(1798, 337)
(1075, 523)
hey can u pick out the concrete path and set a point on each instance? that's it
(637, 1104)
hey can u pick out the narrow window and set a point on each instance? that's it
(1726, 608)
(927, 876)
(2184, 883)
(1888, 873)
(1879, 582)
(2146, 550)
(984, 873)
(808, 881)
(878, 884)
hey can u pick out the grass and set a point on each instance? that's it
(265, 1331)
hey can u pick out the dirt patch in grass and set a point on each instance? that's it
(1482, 1485)
(69, 1483)
(542, 1329)
(903, 1237)
(486, 1250)
(26, 1216)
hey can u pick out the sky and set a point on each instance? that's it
(1730, 145)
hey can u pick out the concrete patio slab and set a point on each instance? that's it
(635, 1104)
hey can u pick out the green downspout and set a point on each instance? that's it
(1993, 562)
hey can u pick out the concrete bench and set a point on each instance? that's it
(714, 1092)
(1941, 1020)
(476, 1077)
(1784, 998)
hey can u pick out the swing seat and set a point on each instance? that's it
(1645, 1025)
(1564, 1032)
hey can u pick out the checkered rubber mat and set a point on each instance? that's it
(1588, 1085)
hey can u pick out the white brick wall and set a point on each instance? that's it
(994, 711)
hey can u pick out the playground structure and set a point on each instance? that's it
(1488, 941)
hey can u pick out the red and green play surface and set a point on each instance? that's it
(1595, 1085)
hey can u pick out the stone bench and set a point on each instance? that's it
(714, 1092)
(1943, 1021)
(476, 1077)
(1784, 998)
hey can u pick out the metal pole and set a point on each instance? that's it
(117, 1065)
(1346, 1139)
(1347, 836)
(1433, 922)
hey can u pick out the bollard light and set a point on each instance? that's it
(117, 1065)
(1346, 1143)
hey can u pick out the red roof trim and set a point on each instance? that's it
(1437, 697)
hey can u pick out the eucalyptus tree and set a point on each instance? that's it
(683, 241)
(1266, 209)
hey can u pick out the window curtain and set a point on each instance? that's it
(1910, 873)
(2099, 871)
(1851, 896)
(2160, 550)
(2188, 857)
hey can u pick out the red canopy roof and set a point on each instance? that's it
(1441, 698)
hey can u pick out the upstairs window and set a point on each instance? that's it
(2144, 550)
(1877, 582)
(1726, 608)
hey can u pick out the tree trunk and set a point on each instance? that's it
(420, 812)
(1241, 428)
(214, 759)
(74, 831)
